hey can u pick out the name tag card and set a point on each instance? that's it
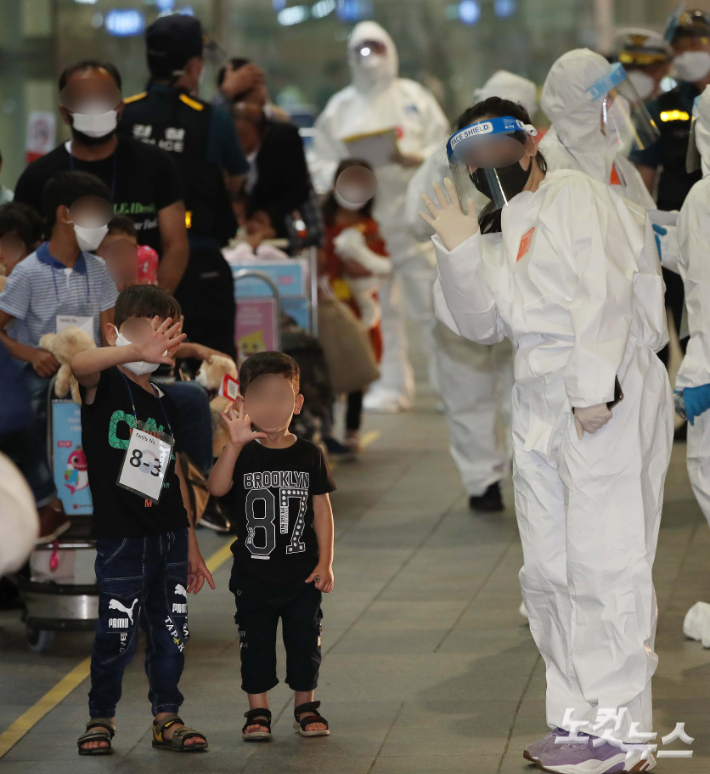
(86, 324)
(146, 463)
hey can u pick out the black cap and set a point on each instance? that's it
(171, 42)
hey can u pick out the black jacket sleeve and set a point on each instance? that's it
(283, 182)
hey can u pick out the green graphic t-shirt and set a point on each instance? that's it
(105, 431)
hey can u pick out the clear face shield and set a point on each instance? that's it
(623, 113)
(490, 156)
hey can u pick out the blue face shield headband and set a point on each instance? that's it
(629, 120)
(486, 155)
(483, 141)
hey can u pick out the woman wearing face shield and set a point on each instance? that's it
(596, 116)
(558, 266)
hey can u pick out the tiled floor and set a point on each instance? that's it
(428, 666)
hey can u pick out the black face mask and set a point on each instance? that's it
(512, 178)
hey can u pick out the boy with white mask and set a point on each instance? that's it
(143, 179)
(148, 559)
(60, 284)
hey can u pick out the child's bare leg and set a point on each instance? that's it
(305, 697)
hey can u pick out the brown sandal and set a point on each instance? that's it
(176, 743)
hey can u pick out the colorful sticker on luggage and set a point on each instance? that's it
(70, 471)
(255, 326)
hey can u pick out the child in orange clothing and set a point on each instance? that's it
(355, 258)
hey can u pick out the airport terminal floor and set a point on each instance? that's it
(428, 666)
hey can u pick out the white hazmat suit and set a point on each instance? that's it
(575, 139)
(694, 265)
(377, 99)
(476, 380)
(569, 283)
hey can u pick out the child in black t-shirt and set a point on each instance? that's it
(283, 554)
(147, 558)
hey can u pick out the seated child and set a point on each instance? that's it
(283, 554)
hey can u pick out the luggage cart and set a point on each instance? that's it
(50, 606)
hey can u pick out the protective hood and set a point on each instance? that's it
(510, 86)
(383, 70)
(575, 118)
(702, 129)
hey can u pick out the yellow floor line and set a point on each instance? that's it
(370, 437)
(12, 735)
(220, 557)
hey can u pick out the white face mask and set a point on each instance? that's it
(642, 82)
(138, 367)
(354, 204)
(692, 66)
(89, 239)
(95, 124)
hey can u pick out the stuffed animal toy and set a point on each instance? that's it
(210, 376)
(64, 346)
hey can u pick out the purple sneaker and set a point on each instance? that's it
(571, 758)
(533, 750)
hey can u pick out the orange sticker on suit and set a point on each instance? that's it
(614, 178)
(525, 243)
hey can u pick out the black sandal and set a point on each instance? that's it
(310, 710)
(176, 743)
(257, 717)
(97, 730)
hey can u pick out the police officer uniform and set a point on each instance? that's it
(180, 124)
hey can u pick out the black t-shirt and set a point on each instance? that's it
(105, 433)
(274, 489)
(146, 181)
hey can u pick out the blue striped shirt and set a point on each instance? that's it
(40, 287)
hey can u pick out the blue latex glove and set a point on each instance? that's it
(697, 401)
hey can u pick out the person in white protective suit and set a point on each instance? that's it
(588, 130)
(693, 379)
(475, 379)
(563, 271)
(378, 100)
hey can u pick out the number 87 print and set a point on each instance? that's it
(267, 522)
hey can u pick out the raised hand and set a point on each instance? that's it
(448, 220)
(161, 343)
(239, 426)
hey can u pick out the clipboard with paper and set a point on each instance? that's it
(377, 148)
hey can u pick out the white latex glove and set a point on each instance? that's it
(591, 418)
(452, 225)
(350, 244)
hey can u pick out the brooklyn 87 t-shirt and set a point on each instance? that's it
(274, 489)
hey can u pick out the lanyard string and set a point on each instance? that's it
(133, 405)
(88, 287)
(114, 174)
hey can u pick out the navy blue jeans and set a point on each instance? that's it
(140, 579)
(36, 465)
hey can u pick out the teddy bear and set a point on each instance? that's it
(64, 345)
(210, 375)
